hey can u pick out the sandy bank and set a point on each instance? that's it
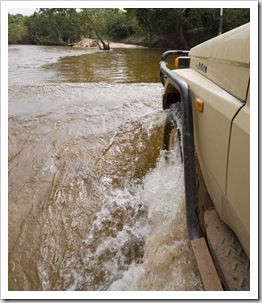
(86, 42)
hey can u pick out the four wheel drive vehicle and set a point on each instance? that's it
(210, 86)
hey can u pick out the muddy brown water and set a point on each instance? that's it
(92, 203)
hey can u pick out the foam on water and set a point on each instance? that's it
(167, 262)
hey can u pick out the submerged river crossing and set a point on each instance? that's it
(92, 203)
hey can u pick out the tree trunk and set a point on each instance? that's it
(104, 45)
(182, 37)
(180, 32)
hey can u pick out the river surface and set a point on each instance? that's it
(92, 202)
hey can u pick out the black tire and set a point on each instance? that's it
(172, 129)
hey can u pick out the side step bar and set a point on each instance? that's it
(229, 257)
(223, 261)
(205, 265)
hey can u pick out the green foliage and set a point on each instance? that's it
(155, 21)
(201, 24)
(180, 28)
(99, 20)
(17, 30)
(235, 17)
(53, 26)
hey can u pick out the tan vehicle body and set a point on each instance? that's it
(218, 77)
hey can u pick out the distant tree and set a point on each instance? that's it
(235, 17)
(102, 21)
(177, 27)
(186, 27)
(54, 26)
(17, 30)
(161, 22)
(121, 26)
(201, 24)
(132, 22)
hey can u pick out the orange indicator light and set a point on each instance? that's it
(176, 62)
(199, 105)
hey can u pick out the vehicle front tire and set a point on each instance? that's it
(172, 129)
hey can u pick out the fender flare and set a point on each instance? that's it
(194, 230)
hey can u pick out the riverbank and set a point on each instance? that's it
(129, 42)
(155, 42)
(87, 42)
